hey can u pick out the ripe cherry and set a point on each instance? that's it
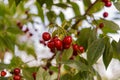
(75, 47)
(34, 75)
(51, 44)
(3, 73)
(16, 71)
(105, 14)
(101, 25)
(46, 36)
(58, 44)
(108, 4)
(67, 40)
(81, 48)
(66, 46)
(17, 77)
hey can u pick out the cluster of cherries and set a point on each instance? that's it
(16, 74)
(107, 4)
(105, 14)
(56, 44)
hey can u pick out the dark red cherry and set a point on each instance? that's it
(46, 36)
(105, 14)
(16, 71)
(67, 40)
(58, 44)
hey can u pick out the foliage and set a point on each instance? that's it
(14, 17)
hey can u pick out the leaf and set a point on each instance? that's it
(116, 49)
(67, 53)
(62, 5)
(117, 5)
(15, 62)
(87, 3)
(108, 53)
(96, 7)
(85, 75)
(75, 8)
(51, 16)
(62, 17)
(40, 11)
(109, 26)
(66, 77)
(95, 50)
(83, 37)
(17, 2)
(76, 65)
(27, 72)
(42, 75)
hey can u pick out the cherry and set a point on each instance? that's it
(54, 38)
(43, 42)
(75, 53)
(51, 45)
(81, 48)
(105, 1)
(17, 77)
(75, 47)
(19, 24)
(108, 4)
(34, 75)
(16, 71)
(58, 44)
(67, 40)
(105, 14)
(66, 46)
(46, 36)
(26, 30)
(101, 25)
(3, 73)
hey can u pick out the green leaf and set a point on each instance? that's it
(67, 53)
(117, 5)
(95, 50)
(108, 53)
(116, 49)
(15, 62)
(27, 72)
(85, 75)
(75, 8)
(109, 26)
(42, 75)
(87, 3)
(92, 36)
(3, 66)
(62, 5)
(76, 65)
(62, 17)
(40, 11)
(83, 37)
(51, 16)
(66, 77)
(17, 2)
(96, 7)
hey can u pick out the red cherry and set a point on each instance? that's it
(54, 38)
(51, 44)
(43, 42)
(105, 1)
(46, 36)
(105, 14)
(108, 4)
(58, 44)
(16, 71)
(67, 40)
(101, 25)
(34, 75)
(17, 77)
(3, 73)
(66, 46)
(81, 48)
(75, 47)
